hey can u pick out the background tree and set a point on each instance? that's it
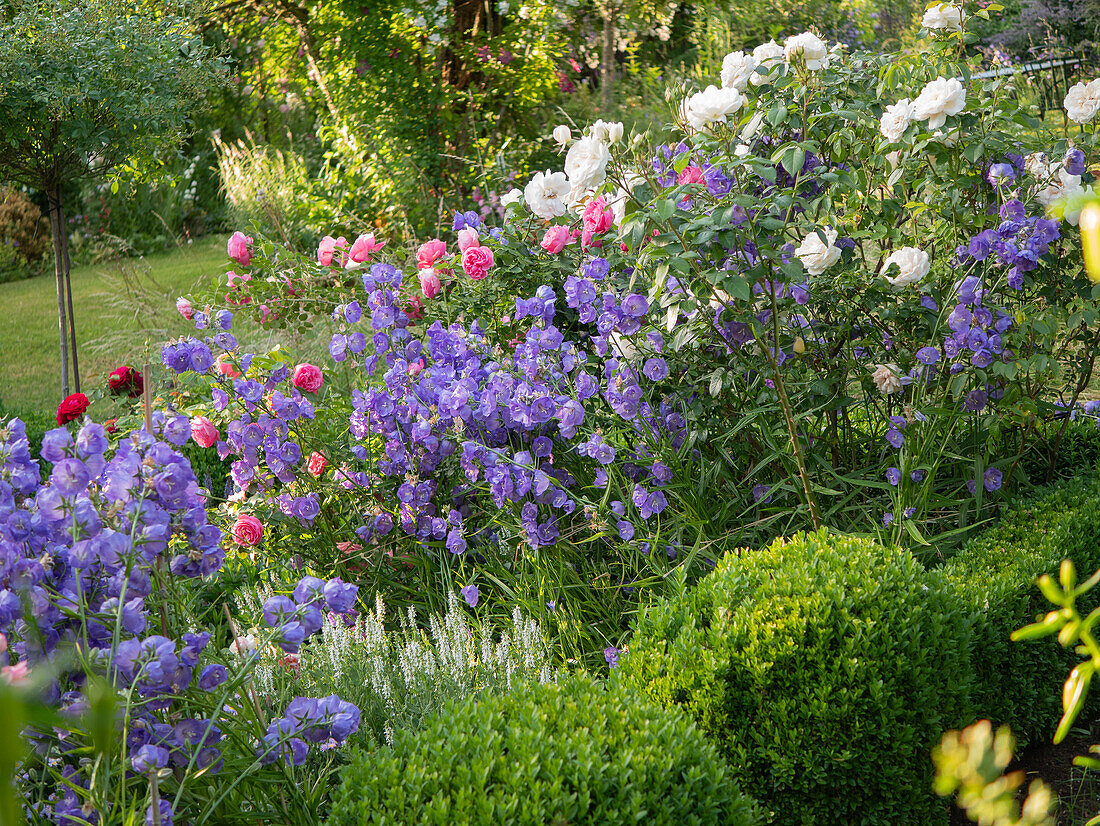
(87, 87)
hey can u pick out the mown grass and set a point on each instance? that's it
(123, 310)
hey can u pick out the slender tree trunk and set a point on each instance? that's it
(54, 199)
(607, 62)
(63, 224)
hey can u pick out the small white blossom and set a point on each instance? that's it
(912, 264)
(946, 17)
(939, 98)
(737, 68)
(1083, 102)
(808, 48)
(895, 120)
(817, 256)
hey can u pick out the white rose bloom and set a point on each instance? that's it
(1057, 185)
(808, 47)
(586, 163)
(1083, 102)
(943, 17)
(886, 378)
(816, 256)
(939, 98)
(609, 133)
(895, 120)
(709, 106)
(912, 264)
(1037, 167)
(767, 55)
(578, 198)
(737, 68)
(512, 196)
(562, 136)
(545, 194)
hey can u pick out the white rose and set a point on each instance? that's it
(586, 162)
(886, 378)
(1057, 185)
(609, 133)
(545, 194)
(912, 264)
(808, 47)
(895, 120)
(562, 136)
(767, 55)
(512, 196)
(943, 17)
(710, 105)
(817, 256)
(1083, 101)
(940, 98)
(737, 68)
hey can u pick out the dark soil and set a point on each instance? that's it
(1078, 790)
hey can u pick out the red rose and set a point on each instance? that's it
(72, 408)
(126, 380)
(110, 425)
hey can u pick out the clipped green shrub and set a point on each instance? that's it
(825, 667)
(572, 752)
(1020, 683)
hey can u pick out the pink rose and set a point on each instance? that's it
(308, 377)
(690, 175)
(203, 432)
(239, 248)
(247, 530)
(234, 280)
(597, 218)
(430, 252)
(185, 309)
(555, 239)
(362, 249)
(316, 464)
(467, 238)
(226, 367)
(476, 262)
(328, 247)
(416, 367)
(429, 282)
(17, 674)
(348, 548)
(588, 239)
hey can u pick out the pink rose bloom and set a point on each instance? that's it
(316, 465)
(597, 218)
(555, 239)
(430, 252)
(348, 548)
(429, 282)
(226, 367)
(235, 280)
(308, 377)
(468, 238)
(15, 674)
(690, 175)
(589, 239)
(239, 248)
(328, 247)
(203, 432)
(362, 249)
(185, 309)
(476, 262)
(247, 530)
(416, 367)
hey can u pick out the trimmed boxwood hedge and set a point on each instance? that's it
(825, 668)
(1020, 683)
(574, 752)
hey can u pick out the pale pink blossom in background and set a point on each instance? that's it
(185, 309)
(362, 249)
(204, 432)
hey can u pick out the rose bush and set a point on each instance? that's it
(840, 292)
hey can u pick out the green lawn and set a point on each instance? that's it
(123, 310)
